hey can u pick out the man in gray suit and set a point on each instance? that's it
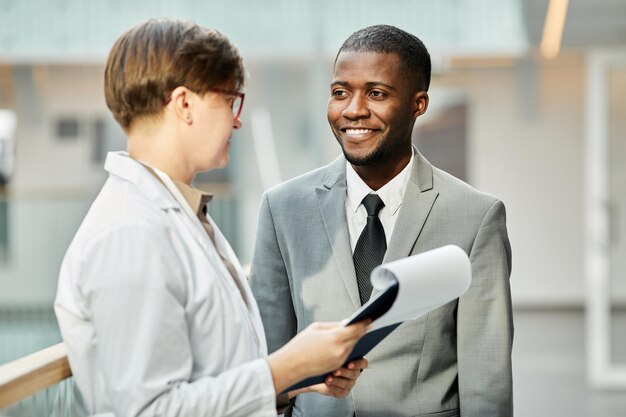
(321, 233)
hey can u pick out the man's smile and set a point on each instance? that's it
(357, 132)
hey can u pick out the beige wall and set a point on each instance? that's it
(526, 147)
(617, 170)
(42, 160)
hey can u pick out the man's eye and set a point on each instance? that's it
(377, 93)
(339, 93)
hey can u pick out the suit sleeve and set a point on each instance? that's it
(485, 323)
(137, 293)
(270, 282)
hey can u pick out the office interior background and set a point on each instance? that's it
(527, 102)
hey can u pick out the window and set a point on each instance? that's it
(67, 128)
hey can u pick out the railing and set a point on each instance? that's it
(26, 376)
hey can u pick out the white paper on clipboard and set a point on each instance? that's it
(424, 282)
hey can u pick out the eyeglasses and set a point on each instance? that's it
(235, 100)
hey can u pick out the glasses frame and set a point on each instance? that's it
(227, 92)
(234, 94)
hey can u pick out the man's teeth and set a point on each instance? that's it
(358, 131)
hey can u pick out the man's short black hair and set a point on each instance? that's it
(388, 39)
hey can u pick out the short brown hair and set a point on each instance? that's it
(153, 58)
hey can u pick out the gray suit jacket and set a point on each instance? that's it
(454, 361)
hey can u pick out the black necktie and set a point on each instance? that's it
(370, 248)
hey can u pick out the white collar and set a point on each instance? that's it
(391, 193)
(121, 165)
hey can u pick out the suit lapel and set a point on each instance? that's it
(332, 198)
(419, 197)
(189, 218)
(163, 192)
(418, 200)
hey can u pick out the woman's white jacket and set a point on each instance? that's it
(153, 322)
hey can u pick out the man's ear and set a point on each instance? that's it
(181, 103)
(421, 103)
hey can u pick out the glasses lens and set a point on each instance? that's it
(237, 105)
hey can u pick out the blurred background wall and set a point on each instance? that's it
(506, 116)
(502, 117)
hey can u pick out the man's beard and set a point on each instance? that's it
(379, 154)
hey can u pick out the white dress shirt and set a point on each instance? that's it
(153, 322)
(391, 193)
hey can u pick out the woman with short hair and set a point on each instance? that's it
(156, 314)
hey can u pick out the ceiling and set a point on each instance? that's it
(589, 23)
(66, 31)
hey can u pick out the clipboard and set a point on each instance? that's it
(406, 290)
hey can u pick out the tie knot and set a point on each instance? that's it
(373, 204)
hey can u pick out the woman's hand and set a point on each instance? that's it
(318, 349)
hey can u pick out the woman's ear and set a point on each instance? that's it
(421, 103)
(181, 102)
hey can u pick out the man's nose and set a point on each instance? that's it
(357, 107)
